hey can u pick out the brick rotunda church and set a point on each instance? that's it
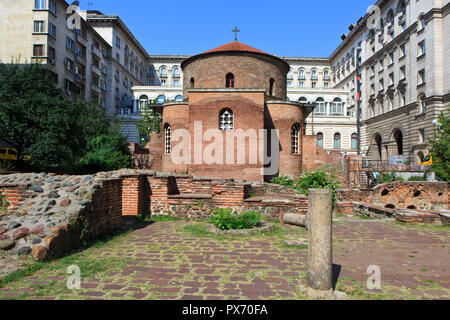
(230, 90)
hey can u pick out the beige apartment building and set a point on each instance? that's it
(37, 31)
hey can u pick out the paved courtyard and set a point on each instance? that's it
(176, 260)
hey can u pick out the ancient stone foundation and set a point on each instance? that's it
(412, 202)
(47, 214)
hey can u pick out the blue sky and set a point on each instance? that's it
(286, 28)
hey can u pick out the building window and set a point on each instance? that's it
(391, 57)
(117, 42)
(326, 85)
(354, 141)
(422, 136)
(301, 75)
(38, 50)
(314, 75)
(70, 44)
(421, 48)
(403, 72)
(39, 27)
(168, 139)
(161, 99)
(301, 84)
(326, 75)
(313, 84)
(303, 100)
(295, 138)
(403, 50)
(176, 72)
(176, 83)
(226, 120)
(143, 102)
(391, 79)
(402, 98)
(321, 107)
(192, 83)
(337, 141)
(381, 64)
(163, 72)
(422, 21)
(179, 98)
(40, 4)
(229, 81)
(422, 105)
(337, 107)
(52, 30)
(421, 77)
(52, 7)
(271, 86)
(163, 83)
(289, 84)
(320, 139)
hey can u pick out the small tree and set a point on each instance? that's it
(440, 148)
(39, 120)
(150, 121)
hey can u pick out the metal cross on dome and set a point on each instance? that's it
(236, 30)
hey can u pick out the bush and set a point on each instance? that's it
(390, 177)
(418, 178)
(225, 219)
(319, 179)
(440, 148)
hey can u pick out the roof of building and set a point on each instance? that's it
(234, 46)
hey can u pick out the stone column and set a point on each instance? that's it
(320, 266)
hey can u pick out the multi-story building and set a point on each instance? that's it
(37, 31)
(402, 48)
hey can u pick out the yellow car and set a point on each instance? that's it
(428, 160)
(10, 154)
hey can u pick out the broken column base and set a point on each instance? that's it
(325, 295)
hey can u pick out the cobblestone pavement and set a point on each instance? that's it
(162, 261)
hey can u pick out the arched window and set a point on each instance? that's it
(163, 72)
(167, 139)
(303, 100)
(176, 72)
(320, 139)
(271, 85)
(161, 99)
(337, 141)
(398, 137)
(295, 131)
(321, 107)
(314, 75)
(326, 75)
(301, 74)
(354, 141)
(192, 83)
(229, 83)
(337, 108)
(179, 98)
(226, 120)
(143, 102)
(378, 142)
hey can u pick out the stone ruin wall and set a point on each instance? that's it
(404, 201)
(48, 215)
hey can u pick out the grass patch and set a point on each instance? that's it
(365, 218)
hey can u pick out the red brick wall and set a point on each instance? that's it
(315, 157)
(248, 109)
(283, 117)
(249, 70)
(15, 194)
